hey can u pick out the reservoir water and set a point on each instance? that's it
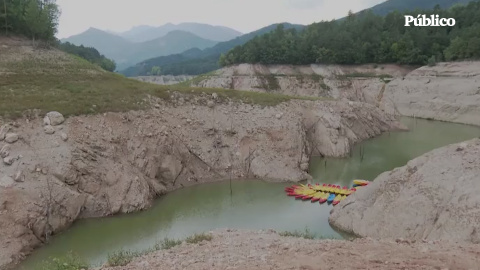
(252, 204)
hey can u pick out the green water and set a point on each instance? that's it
(253, 204)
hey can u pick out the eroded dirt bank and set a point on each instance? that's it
(164, 79)
(357, 83)
(448, 92)
(92, 166)
(433, 197)
(232, 249)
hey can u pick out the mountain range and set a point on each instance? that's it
(192, 48)
(145, 33)
(196, 61)
(145, 42)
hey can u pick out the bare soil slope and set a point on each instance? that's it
(264, 250)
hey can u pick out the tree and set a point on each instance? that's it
(6, 20)
(156, 71)
(34, 19)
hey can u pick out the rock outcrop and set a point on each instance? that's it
(448, 92)
(165, 79)
(356, 83)
(100, 165)
(433, 197)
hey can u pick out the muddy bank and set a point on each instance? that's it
(357, 83)
(57, 171)
(232, 249)
(433, 197)
(448, 92)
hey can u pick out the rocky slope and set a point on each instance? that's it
(232, 249)
(165, 79)
(447, 92)
(355, 83)
(433, 197)
(55, 171)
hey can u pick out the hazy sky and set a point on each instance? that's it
(242, 15)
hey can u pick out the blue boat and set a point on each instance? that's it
(331, 198)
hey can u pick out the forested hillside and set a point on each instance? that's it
(36, 19)
(404, 5)
(195, 61)
(89, 54)
(368, 38)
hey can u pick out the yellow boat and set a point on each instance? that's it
(361, 182)
(316, 197)
(324, 198)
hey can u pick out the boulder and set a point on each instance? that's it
(55, 118)
(64, 136)
(48, 129)
(433, 197)
(46, 121)
(5, 151)
(8, 161)
(11, 137)
(4, 129)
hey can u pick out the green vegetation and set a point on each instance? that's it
(69, 262)
(36, 19)
(305, 234)
(168, 244)
(197, 238)
(122, 257)
(89, 54)
(73, 86)
(403, 5)
(367, 38)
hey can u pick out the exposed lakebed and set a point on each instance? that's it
(249, 204)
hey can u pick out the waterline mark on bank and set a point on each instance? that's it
(432, 20)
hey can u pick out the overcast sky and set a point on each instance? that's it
(242, 15)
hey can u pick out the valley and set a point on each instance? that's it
(170, 146)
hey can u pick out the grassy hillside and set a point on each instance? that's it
(195, 62)
(52, 80)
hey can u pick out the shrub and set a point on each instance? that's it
(197, 238)
(168, 244)
(306, 234)
(432, 61)
(68, 262)
(121, 258)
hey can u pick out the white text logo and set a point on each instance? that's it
(432, 20)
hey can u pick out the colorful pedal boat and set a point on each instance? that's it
(331, 197)
(324, 198)
(361, 182)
